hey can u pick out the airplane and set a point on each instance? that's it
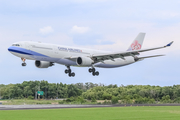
(45, 55)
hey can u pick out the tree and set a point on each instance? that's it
(107, 96)
(73, 91)
(27, 91)
(114, 100)
(166, 99)
(93, 99)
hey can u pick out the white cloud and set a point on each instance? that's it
(46, 30)
(76, 29)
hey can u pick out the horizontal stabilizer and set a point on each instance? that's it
(150, 56)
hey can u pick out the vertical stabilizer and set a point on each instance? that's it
(137, 43)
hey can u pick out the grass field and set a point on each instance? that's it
(35, 102)
(115, 113)
(28, 102)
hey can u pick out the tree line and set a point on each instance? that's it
(93, 92)
(135, 93)
(28, 89)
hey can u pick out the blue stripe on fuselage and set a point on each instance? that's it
(24, 51)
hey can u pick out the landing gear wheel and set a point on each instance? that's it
(73, 74)
(66, 71)
(23, 64)
(69, 74)
(93, 73)
(23, 59)
(97, 73)
(90, 70)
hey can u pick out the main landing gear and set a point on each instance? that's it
(23, 59)
(93, 71)
(69, 72)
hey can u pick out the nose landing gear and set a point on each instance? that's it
(69, 72)
(93, 71)
(24, 63)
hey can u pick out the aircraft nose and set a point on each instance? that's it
(10, 49)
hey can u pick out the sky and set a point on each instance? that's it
(109, 25)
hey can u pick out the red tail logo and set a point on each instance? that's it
(136, 45)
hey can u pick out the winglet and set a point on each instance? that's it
(169, 44)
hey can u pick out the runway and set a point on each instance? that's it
(27, 107)
(20, 107)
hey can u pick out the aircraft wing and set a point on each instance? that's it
(122, 55)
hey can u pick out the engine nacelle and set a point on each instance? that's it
(84, 61)
(43, 64)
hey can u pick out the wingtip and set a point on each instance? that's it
(170, 43)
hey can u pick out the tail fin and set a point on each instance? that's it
(137, 43)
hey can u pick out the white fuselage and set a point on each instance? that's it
(62, 54)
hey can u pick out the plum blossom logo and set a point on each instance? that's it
(136, 45)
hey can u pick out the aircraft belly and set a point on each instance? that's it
(66, 62)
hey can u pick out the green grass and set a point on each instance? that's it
(26, 101)
(115, 113)
(34, 102)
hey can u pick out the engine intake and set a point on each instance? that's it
(84, 61)
(43, 64)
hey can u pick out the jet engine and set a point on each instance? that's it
(84, 61)
(43, 64)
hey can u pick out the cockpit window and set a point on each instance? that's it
(15, 45)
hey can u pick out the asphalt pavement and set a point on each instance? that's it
(26, 107)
